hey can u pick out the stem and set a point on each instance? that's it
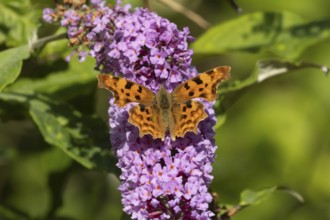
(235, 6)
(323, 68)
(199, 20)
(42, 41)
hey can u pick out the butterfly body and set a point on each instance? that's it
(163, 98)
(174, 112)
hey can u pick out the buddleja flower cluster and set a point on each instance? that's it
(160, 179)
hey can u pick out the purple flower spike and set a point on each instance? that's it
(160, 179)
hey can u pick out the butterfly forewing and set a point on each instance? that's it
(202, 86)
(125, 91)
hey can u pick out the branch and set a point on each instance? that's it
(42, 41)
(235, 6)
(199, 20)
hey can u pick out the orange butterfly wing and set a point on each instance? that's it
(144, 115)
(147, 119)
(125, 91)
(186, 117)
(187, 113)
(202, 86)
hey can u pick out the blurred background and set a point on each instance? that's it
(277, 133)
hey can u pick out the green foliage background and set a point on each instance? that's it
(55, 157)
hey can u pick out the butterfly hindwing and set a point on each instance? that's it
(147, 119)
(202, 86)
(125, 91)
(186, 117)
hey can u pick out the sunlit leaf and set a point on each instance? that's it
(271, 67)
(282, 33)
(67, 83)
(83, 138)
(265, 69)
(292, 193)
(251, 197)
(132, 2)
(18, 22)
(11, 61)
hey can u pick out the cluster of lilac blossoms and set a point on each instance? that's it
(159, 180)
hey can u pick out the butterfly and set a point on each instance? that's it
(175, 112)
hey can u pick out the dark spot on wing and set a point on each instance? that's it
(128, 85)
(147, 111)
(122, 90)
(148, 126)
(142, 107)
(186, 123)
(127, 100)
(206, 85)
(191, 93)
(200, 89)
(188, 103)
(149, 118)
(184, 116)
(203, 95)
(210, 71)
(197, 80)
(186, 86)
(127, 94)
(184, 108)
(137, 97)
(139, 89)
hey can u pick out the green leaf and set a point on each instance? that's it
(292, 193)
(251, 197)
(265, 69)
(133, 3)
(282, 33)
(67, 83)
(271, 67)
(268, 68)
(30, 192)
(85, 139)
(18, 20)
(11, 61)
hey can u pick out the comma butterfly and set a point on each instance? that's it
(175, 112)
